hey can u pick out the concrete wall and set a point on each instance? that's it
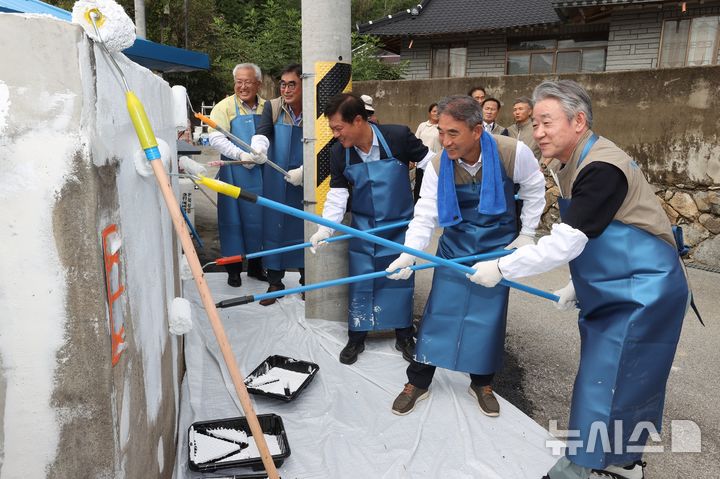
(66, 150)
(666, 119)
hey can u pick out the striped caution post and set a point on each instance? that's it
(331, 78)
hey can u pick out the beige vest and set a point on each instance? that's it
(524, 133)
(506, 150)
(278, 104)
(641, 207)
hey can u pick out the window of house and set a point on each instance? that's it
(449, 60)
(689, 42)
(556, 56)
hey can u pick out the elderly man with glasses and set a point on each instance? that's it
(280, 136)
(240, 223)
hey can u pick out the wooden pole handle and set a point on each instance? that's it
(178, 221)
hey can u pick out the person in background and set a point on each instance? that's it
(428, 133)
(626, 276)
(280, 136)
(491, 110)
(367, 99)
(468, 191)
(371, 161)
(522, 129)
(477, 93)
(240, 222)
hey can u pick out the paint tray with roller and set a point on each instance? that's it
(281, 377)
(228, 443)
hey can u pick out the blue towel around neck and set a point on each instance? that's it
(492, 195)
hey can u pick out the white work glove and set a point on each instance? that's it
(318, 238)
(568, 300)
(260, 144)
(248, 159)
(403, 263)
(520, 241)
(295, 177)
(487, 273)
(259, 158)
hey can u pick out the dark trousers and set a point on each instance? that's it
(420, 375)
(275, 276)
(253, 265)
(418, 182)
(359, 336)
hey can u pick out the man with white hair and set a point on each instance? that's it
(627, 279)
(240, 222)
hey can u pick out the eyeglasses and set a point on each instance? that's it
(289, 86)
(244, 83)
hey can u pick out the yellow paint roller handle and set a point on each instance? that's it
(220, 186)
(142, 126)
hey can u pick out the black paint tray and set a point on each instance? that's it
(270, 424)
(285, 363)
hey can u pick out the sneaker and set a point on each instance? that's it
(350, 352)
(272, 289)
(486, 399)
(407, 347)
(234, 280)
(405, 402)
(633, 471)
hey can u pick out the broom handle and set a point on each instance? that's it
(163, 181)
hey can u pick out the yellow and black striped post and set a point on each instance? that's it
(331, 78)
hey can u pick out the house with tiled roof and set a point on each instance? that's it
(467, 38)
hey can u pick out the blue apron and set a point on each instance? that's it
(463, 327)
(632, 294)
(240, 222)
(279, 229)
(381, 195)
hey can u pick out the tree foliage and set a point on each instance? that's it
(265, 32)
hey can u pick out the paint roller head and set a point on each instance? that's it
(180, 317)
(114, 27)
(192, 167)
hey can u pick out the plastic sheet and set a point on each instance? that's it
(342, 425)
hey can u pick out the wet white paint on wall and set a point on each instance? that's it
(52, 119)
(35, 164)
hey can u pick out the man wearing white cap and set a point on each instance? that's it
(367, 99)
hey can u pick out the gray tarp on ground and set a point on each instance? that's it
(341, 426)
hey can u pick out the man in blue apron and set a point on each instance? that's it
(372, 161)
(240, 222)
(468, 190)
(279, 135)
(627, 279)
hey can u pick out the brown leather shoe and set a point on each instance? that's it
(405, 402)
(486, 400)
(272, 289)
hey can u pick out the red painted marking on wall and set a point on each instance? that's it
(117, 329)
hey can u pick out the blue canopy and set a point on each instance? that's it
(151, 55)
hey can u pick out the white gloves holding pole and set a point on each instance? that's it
(403, 263)
(319, 237)
(487, 273)
(568, 300)
(295, 177)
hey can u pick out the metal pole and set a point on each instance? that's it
(325, 38)
(140, 19)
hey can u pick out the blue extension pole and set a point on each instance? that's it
(236, 192)
(332, 239)
(227, 303)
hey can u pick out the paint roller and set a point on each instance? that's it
(239, 193)
(119, 33)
